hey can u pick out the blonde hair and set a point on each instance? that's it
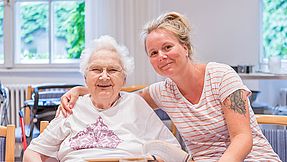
(108, 43)
(173, 22)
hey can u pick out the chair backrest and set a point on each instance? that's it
(7, 136)
(43, 125)
(133, 88)
(271, 119)
(276, 137)
(44, 100)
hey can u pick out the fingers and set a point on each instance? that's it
(73, 100)
(58, 111)
(65, 107)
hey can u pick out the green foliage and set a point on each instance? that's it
(1, 19)
(76, 31)
(275, 27)
(69, 26)
(34, 17)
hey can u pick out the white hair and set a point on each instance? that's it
(109, 43)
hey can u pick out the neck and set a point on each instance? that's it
(105, 103)
(190, 79)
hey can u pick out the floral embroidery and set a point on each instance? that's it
(96, 135)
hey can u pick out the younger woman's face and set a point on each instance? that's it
(166, 54)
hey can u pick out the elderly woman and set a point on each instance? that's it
(106, 122)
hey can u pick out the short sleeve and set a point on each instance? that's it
(230, 82)
(48, 143)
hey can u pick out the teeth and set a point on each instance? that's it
(104, 85)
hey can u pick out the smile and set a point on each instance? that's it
(165, 66)
(104, 85)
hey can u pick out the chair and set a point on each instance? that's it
(276, 137)
(41, 104)
(4, 105)
(271, 119)
(43, 125)
(133, 88)
(7, 140)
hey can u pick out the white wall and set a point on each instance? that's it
(224, 31)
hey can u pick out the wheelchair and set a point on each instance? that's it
(42, 107)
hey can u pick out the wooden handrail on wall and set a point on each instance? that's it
(271, 119)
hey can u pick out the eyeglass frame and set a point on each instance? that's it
(110, 70)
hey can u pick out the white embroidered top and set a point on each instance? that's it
(119, 131)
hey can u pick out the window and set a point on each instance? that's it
(1, 32)
(274, 28)
(46, 32)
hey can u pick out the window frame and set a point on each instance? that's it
(9, 42)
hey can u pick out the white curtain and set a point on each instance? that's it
(124, 19)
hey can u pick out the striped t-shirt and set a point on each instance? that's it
(202, 125)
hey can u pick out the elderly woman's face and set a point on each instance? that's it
(105, 76)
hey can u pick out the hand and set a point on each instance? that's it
(68, 101)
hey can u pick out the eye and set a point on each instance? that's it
(113, 70)
(153, 54)
(167, 47)
(96, 70)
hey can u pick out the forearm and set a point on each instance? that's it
(82, 90)
(239, 148)
(32, 156)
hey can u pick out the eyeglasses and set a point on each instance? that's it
(110, 70)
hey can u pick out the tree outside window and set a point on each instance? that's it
(46, 38)
(275, 28)
(46, 32)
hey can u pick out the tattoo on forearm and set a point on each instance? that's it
(237, 103)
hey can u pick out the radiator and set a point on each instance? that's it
(17, 96)
(278, 140)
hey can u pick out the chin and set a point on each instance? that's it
(105, 94)
(166, 73)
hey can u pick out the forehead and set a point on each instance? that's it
(105, 57)
(160, 36)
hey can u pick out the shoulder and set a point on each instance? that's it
(82, 103)
(127, 96)
(215, 67)
(165, 85)
(219, 71)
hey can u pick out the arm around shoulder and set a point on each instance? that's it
(146, 95)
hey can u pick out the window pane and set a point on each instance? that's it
(32, 35)
(1, 32)
(275, 28)
(68, 34)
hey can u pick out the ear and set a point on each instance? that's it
(85, 79)
(185, 47)
(125, 80)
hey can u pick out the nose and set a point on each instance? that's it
(162, 55)
(104, 75)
